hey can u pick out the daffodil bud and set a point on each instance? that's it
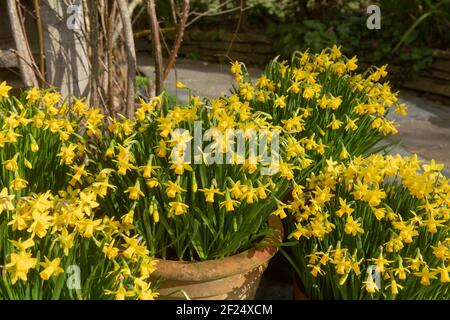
(110, 151)
(194, 182)
(155, 214)
(344, 154)
(28, 164)
(151, 209)
(343, 279)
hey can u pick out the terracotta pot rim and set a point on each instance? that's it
(221, 268)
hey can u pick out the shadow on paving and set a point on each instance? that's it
(276, 282)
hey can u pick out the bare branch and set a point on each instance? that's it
(178, 38)
(110, 59)
(174, 11)
(23, 59)
(210, 11)
(156, 44)
(133, 5)
(209, 14)
(37, 10)
(93, 17)
(138, 14)
(130, 9)
(238, 26)
(144, 33)
(131, 55)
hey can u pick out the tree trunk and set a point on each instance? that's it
(131, 55)
(23, 54)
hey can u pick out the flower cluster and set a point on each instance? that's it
(55, 242)
(84, 191)
(199, 207)
(321, 99)
(374, 228)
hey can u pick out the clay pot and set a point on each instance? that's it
(298, 290)
(232, 278)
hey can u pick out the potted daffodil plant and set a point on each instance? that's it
(375, 228)
(207, 211)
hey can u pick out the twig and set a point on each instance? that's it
(163, 41)
(37, 10)
(103, 93)
(131, 55)
(25, 63)
(110, 57)
(217, 14)
(133, 5)
(238, 26)
(22, 58)
(174, 11)
(22, 26)
(174, 66)
(223, 4)
(156, 44)
(178, 39)
(141, 10)
(130, 10)
(148, 32)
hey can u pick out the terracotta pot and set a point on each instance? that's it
(232, 278)
(298, 290)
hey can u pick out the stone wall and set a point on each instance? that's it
(252, 49)
(436, 80)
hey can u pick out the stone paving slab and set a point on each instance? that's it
(204, 78)
(426, 128)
